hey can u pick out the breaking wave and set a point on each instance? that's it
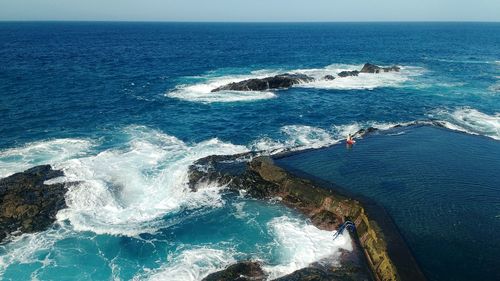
(122, 191)
(298, 137)
(471, 121)
(301, 244)
(191, 265)
(53, 151)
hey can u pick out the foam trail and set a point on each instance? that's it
(301, 244)
(201, 90)
(123, 191)
(15, 160)
(24, 248)
(471, 121)
(191, 265)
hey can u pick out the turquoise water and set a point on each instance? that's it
(441, 188)
(125, 108)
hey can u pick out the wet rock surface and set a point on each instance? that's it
(371, 68)
(27, 204)
(344, 74)
(281, 81)
(242, 271)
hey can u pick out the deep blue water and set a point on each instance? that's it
(440, 187)
(125, 108)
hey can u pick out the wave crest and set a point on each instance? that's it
(122, 191)
(471, 121)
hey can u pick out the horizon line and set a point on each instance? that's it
(250, 21)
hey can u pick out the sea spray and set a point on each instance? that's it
(120, 191)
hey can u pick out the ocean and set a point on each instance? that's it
(125, 108)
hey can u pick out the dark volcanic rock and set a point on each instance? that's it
(348, 73)
(27, 204)
(329, 77)
(282, 81)
(323, 274)
(325, 220)
(242, 271)
(371, 68)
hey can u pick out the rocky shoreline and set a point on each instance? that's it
(384, 250)
(27, 204)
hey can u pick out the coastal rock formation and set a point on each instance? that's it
(348, 73)
(318, 273)
(371, 68)
(326, 209)
(383, 248)
(284, 81)
(281, 81)
(242, 271)
(351, 269)
(27, 204)
(312, 200)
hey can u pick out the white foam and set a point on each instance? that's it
(299, 137)
(191, 265)
(367, 81)
(301, 244)
(201, 90)
(24, 248)
(471, 121)
(295, 137)
(123, 191)
(18, 159)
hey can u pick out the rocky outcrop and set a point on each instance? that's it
(371, 68)
(27, 204)
(351, 269)
(287, 80)
(242, 271)
(282, 81)
(343, 74)
(386, 253)
(312, 200)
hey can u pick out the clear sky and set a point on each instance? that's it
(252, 10)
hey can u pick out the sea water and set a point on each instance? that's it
(441, 188)
(125, 108)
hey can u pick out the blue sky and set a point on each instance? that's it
(252, 10)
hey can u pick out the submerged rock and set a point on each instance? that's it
(348, 73)
(242, 271)
(282, 81)
(329, 77)
(371, 68)
(27, 204)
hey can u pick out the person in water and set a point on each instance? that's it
(350, 140)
